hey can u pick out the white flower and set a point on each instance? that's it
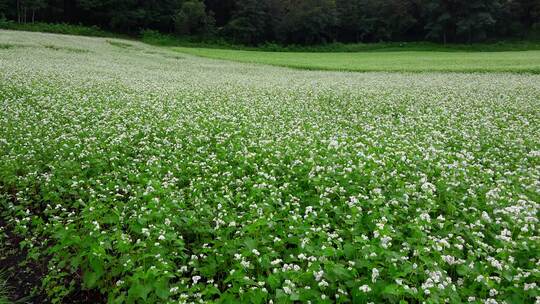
(245, 263)
(374, 275)
(385, 241)
(428, 187)
(365, 288)
(333, 144)
(529, 286)
(449, 259)
(323, 284)
(318, 275)
(146, 231)
(425, 217)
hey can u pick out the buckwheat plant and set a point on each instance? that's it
(150, 176)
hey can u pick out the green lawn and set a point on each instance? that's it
(408, 61)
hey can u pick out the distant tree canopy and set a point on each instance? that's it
(295, 21)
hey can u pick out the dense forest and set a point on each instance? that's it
(295, 21)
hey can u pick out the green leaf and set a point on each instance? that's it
(462, 270)
(138, 291)
(336, 272)
(97, 265)
(162, 288)
(251, 244)
(89, 279)
(273, 281)
(349, 250)
(392, 289)
(209, 270)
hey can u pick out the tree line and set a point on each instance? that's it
(295, 21)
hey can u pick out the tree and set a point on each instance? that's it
(440, 18)
(250, 22)
(223, 10)
(476, 19)
(295, 21)
(36, 5)
(524, 17)
(308, 21)
(193, 19)
(4, 5)
(24, 6)
(461, 20)
(349, 20)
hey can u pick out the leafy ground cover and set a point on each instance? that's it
(387, 61)
(135, 174)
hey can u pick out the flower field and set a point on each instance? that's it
(136, 174)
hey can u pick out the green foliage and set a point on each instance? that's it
(466, 20)
(308, 22)
(304, 22)
(134, 177)
(160, 39)
(156, 38)
(250, 23)
(192, 19)
(59, 28)
(129, 16)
